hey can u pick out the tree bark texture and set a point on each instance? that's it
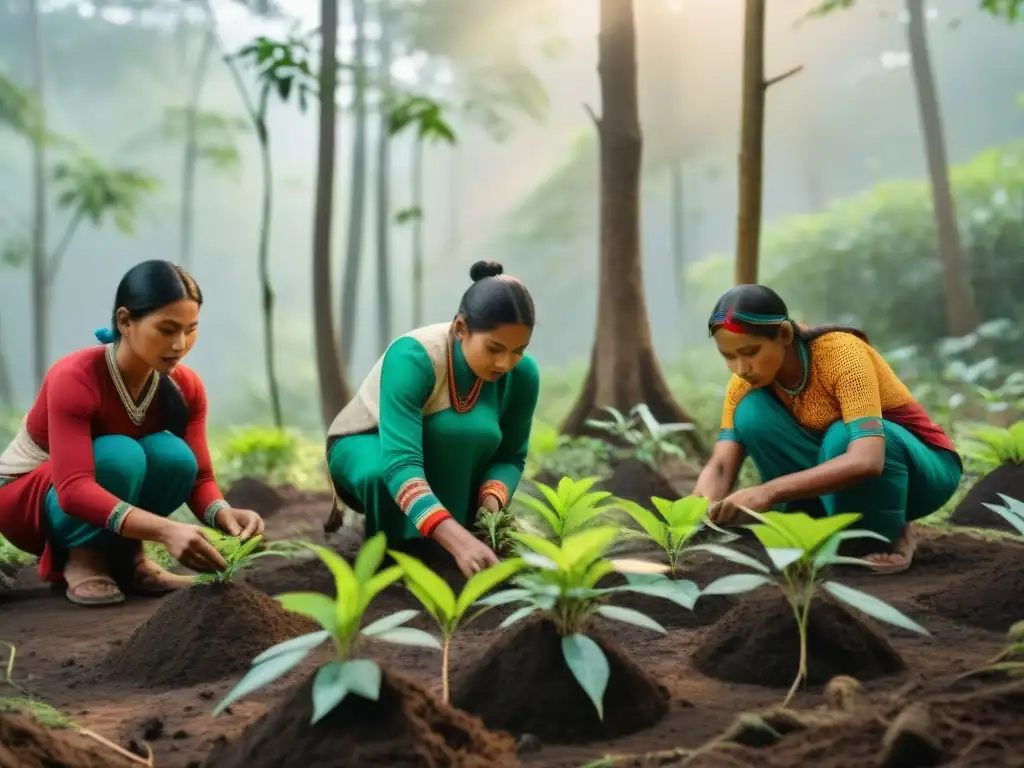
(751, 159)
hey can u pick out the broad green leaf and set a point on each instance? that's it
(686, 512)
(541, 547)
(539, 561)
(589, 666)
(860, 533)
(630, 616)
(873, 607)
(542, 509)
(336, 680)
(370, 556)
(386, 623)
(320, 608)
(261, 675)
(682, 592)
(518, 615)
(732, 555)
(647, 520)
(347, 601)
(736, 584)
(409, 636)
(429, 581)
(783, 558)
(1008, 515)
(586, 546)
(483, 582)
(580, 516)
(553, 497)
(380, 581)
(504, 597)
(427, 602)
(303, 642)
(598, 571)
(247, 548)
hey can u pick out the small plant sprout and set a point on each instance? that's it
(650, 441)
(674, 525)
(990, 447)
(451, 612)
(561, 583)
(801, 548)
(570, 507)
(240, 555)
(1012, 512)
(1010, 660)
(495, 527)
(340, 619)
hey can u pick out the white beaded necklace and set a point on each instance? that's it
(137, 413)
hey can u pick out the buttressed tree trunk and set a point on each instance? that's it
(333, 389)
(962, 315)
(624, 371)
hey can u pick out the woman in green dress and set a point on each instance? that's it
(440, 426)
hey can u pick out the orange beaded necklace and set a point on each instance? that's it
(459, 403)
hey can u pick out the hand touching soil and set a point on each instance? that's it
(471, 554)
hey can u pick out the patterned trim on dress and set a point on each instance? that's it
(210, 515)
(868, 426)
(497, 489)
(420, 505)
(115, 520)
(728, 434)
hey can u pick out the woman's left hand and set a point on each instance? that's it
(490, 503)
(729, 510)
(243, 523)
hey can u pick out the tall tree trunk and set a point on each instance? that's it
(333, 390)
(962, 315)
(417, 233)
(266, 281)
(384, 185)
(623, 368)
(678, 223)
(40, 291)
(191, 153)
(357, 196)
(751, 161)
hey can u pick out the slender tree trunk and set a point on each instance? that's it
(384, 313)
(962, 315)
(624, 371)
(417, 233)
(751, 161)
(678, 219)
(357, 197)
(40, 294)
(191, 154)
(266, 280)
(333, 390)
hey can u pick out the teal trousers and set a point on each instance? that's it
(155, 473)
(916, 481)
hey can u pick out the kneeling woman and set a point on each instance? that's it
(822, 416)
(114, 443)
(440, 426)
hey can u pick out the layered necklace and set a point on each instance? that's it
(459, 403)
(136, 412)
(801, 350)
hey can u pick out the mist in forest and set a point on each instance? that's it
(518, 79)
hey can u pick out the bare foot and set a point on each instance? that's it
(151, 579)
(88, 578)
(900, 556)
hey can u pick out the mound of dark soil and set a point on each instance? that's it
(252, 493)
(291, 576)
(707, 611)
(201, 634)
(1006, 479)
(25, 743)
(632, 479)
(758, 643)
(988, 597)
(523, 685)
(405, 728)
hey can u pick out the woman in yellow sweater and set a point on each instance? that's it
(823, 417)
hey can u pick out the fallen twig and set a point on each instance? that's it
(779, 78)
(148, 760)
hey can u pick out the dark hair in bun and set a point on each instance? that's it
(482, 269)
(488, 304)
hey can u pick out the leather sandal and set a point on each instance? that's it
(112, 595)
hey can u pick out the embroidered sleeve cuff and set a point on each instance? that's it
(869, 426)
(728, 434)
(210, 515)
(497, 489)
(420, 505)
(115, 520)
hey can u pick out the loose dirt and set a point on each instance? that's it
(1006, 479)
(254, 494)
(24, 743)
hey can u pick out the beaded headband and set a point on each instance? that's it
(734, 321)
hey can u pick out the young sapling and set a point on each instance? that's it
(340, 618)
(800, 549)
(240, 555)
(568, 508)
(650, 441)
(451, 612)
(495, 527)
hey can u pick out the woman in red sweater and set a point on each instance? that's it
(114, 443)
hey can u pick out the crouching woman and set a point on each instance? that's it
(114, 443)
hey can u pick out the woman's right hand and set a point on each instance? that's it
(471, 554)
(187, 544)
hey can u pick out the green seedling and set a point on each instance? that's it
(650, 441)
(673, 526)
(496, 526)
(800, 549)
(1010, 660)
(1012, 512)
(561, 583)
(991, 447)
(340, 618)
(451, 612)
(241, 555)
(570, 507)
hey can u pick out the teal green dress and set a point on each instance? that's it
(416, 471)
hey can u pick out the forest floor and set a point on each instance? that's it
(963, 588)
